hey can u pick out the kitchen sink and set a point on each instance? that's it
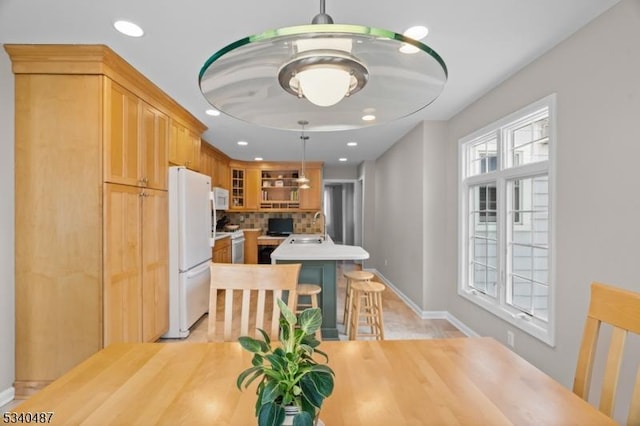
(308, 240)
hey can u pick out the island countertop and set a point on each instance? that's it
(327, 250)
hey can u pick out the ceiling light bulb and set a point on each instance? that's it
(342, 159)
(212, 112)
(258, 158)
(352, 143)
(243, 143)
(408, 49)
(324, 86)
(128, 28)
(368, 117)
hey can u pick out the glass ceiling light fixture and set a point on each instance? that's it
(332, 73)
(302, 180)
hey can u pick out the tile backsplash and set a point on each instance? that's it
(302, 221)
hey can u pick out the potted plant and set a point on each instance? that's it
(292, 384)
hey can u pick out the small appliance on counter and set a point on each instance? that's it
(222, 222)
(221, 198)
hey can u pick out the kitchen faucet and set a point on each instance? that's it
(324, 222)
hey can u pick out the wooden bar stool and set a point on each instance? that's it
(352, 276)
(311, 291)
(366, 301)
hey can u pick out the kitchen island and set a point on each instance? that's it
(319, 256)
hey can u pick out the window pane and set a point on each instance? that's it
(482, 156)
(484, 201)
(528, 276)
(529, 143)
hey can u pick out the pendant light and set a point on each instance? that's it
(302, 180)
(334, 74)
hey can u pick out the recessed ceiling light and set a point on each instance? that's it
(342, 159)
(258, 158)
(128, 28)
(352, 143)
(212, 112)
(243, 143)
(368, 117)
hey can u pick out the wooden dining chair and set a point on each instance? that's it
(620, 309)
(250, 292)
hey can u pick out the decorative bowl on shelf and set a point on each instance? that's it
(232, 227)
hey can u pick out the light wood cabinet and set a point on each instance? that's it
(221, 252)
(184, 146)
(91, 235)
(214, 164)
(311, 198)
(245, 188)
(271, 187)
(137, 135)
(251, 245)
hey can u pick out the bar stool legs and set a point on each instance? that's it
(366, 303)
(352, 276)
(311, 291)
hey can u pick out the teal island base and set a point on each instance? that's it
(322, 273)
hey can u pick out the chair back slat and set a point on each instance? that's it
(255, 289)
(621, 309)
(634, 409)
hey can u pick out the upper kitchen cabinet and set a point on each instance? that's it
(272, 187)
(215, 164)
(245, 186)
(90, 261)
(184, 146)
(136, 140)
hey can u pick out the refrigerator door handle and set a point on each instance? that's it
(198, 270)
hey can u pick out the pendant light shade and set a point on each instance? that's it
(332, 73)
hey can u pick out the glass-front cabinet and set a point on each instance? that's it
(237, 189)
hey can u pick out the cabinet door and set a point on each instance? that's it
(311, 199)
(122, 156)
(155, 264)
(122, 273)
(184, 146)
(193, 142)
(154, 140)
(252, 185)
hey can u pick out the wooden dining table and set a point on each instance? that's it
(461, 381)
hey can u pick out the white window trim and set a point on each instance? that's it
(500, 308)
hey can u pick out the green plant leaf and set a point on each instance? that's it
(310, 320)
(323, 382)
(257, 359)
(289, 316)
(321, 368)
(270, 392)
(250, 344)
(324, 355)
(277, 361)
(316, 386)
(245, 374)
(265, 336)
(270, 415)
(303, 419)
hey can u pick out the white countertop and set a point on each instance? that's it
(326, 250)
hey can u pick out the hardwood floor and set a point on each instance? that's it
(400, 322)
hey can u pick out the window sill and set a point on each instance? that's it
(531, 326)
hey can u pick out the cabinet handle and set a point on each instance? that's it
(143, 193)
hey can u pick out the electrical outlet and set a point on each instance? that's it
(511, 340)
(241, 218)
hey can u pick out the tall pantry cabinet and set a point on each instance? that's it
(92, 141)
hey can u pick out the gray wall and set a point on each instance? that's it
(367, 174)
(340, 172)
(595, 75)
(7, 230)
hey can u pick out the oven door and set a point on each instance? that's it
(237, 250)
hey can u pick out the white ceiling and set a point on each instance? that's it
(482, 43)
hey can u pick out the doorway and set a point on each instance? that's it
(342, 210)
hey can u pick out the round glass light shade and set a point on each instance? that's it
(242, 79)
(324, 86)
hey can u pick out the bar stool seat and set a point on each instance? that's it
(311, 291)
(366, 303)
(352, 276)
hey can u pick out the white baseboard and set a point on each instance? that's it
(7, 395)
(425, 314)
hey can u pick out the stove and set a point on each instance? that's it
(237, 245)
(234, 234)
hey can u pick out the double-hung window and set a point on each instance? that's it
(506, 184)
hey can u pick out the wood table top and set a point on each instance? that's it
(463, 381)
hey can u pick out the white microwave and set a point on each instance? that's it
(220, 198)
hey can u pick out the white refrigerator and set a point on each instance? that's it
(190, 242)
